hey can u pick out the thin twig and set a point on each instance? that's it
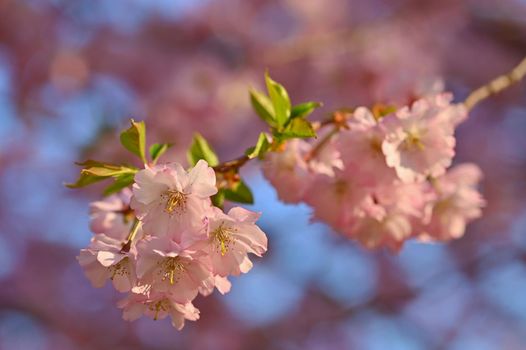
(496, 85)
(319, 146)
(233, 164)
(339, 118)
(131, 236)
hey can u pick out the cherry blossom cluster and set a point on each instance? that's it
(383, 179)
(163, 242)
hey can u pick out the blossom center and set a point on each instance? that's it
(120, 268)
(413, 141)
(171, 269)
(376, 146)
(223, 238)
(158, 306)
(175, 200)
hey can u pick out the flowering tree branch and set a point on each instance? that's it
(380, 176)
(496, 85)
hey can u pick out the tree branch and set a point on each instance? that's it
(496, 85)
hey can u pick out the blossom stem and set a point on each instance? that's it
(233, 164)
(496, 85)
(318, 147)
(133, 232)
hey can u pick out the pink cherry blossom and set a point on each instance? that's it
(458, 202)
(222, 284)
(391, 231)
(169, 199)
(112, 216)
(231, 237)
(361, 148)
(388, 215)
(288, 171)
(419, 140)
(327, 160)
(166, 266)
(157, 307)
(336, 199)
(103, 260)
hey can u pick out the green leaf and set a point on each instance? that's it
(280, 100)
(157, 150)
(263, 107)
(200, 149)
(120, 182)
(134, 139)
(298, 128)
(304, 109)
(95, 171)
(218, 199)
(108, 171)
(239, 193)
(380, 110)
(85, 180)
(260, 148)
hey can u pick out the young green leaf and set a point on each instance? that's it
(120, 182)
(108, 170)
(239, 193)
(85, 180)
(157, 150)
(218, 199)
(200, 149)
(260, 148)
(134, 139)
(263, 107)
(303, 109)
(280, 100)
(298, 128)
(95, 171)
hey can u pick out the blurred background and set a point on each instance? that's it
(72, 72)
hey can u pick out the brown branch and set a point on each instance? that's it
(233, 164)
(496, 85)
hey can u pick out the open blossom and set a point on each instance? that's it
(158, 306)
(457, 203)
(112, 216)
(287, 170)
(361, 147)
(387, 217)
(420, 140)
(166, 266)
(327, 160)
(222, 284)
(371, 180)
(167, 243)
(336, 199)
(169, 199)
(104, 260)
(231, 237)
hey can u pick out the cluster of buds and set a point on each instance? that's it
(381, 177)
(164, 242)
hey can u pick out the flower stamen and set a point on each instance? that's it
(171, 269)
(175, 200)
(223, 237)
(120, 268)
(161, 305)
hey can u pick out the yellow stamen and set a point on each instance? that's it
(175, 200)
(120, 268)
(414, 140)
(171, 269)
(223, 238)
(161, 305)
